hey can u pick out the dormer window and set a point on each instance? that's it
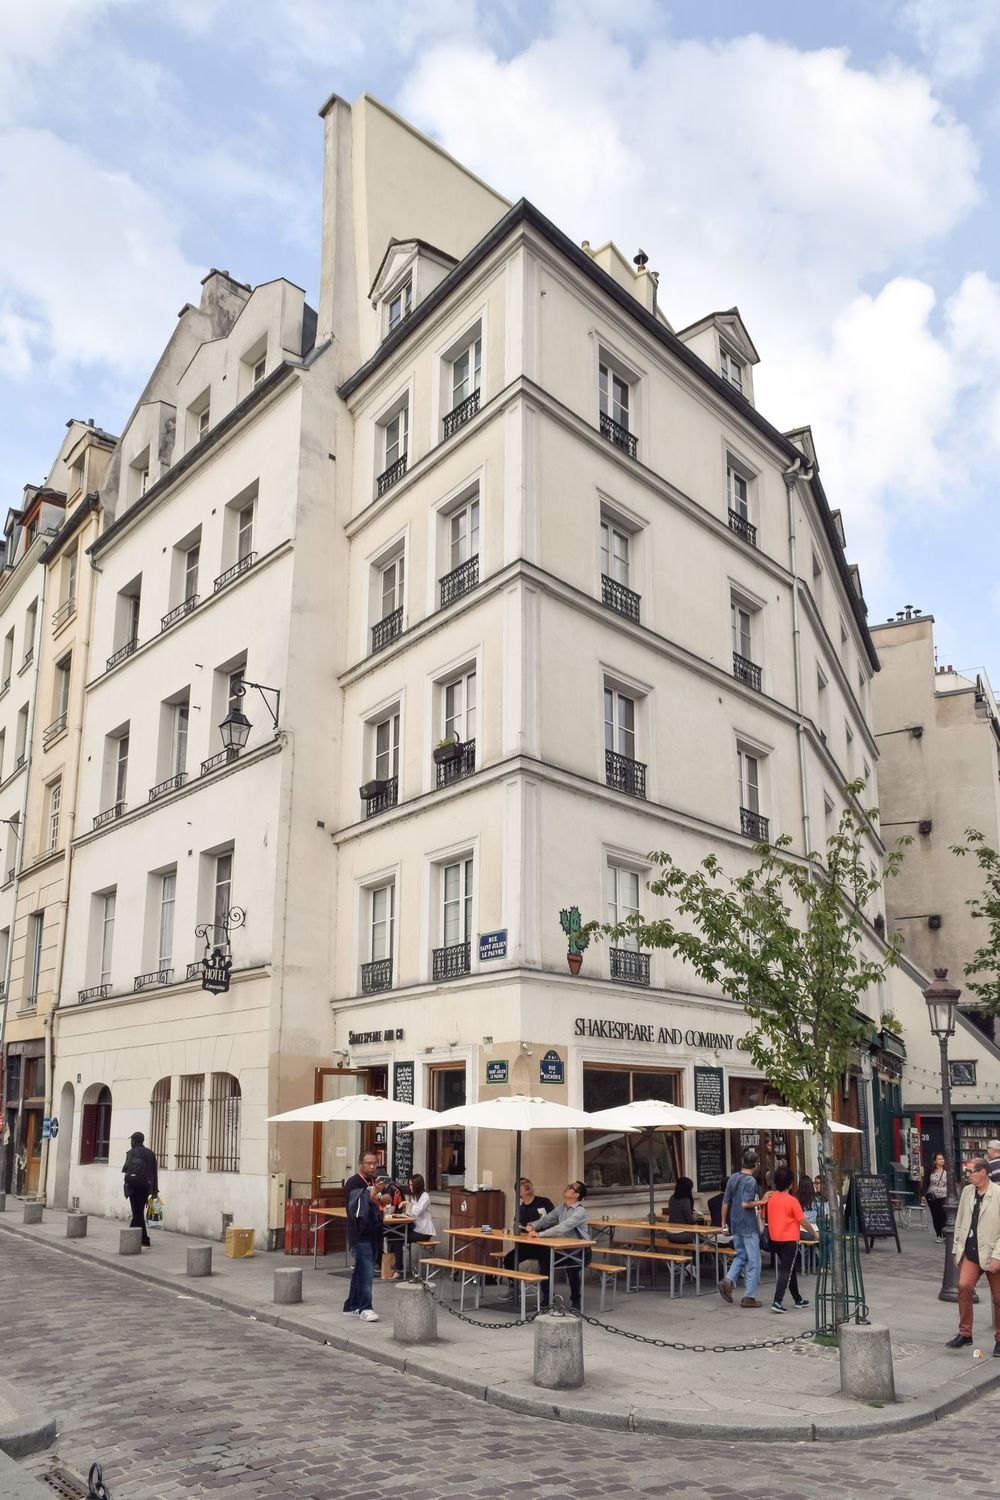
(258, 371)
(399, 305)
(204, 417)
(732, 369)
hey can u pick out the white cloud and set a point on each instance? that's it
(958, 37)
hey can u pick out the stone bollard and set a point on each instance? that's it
(3, 1203)
(558, 1353)
(866, 1362)
(76, 1226)
(33, 1213)
(199, 1261)
(130, 1242)
(288, 1285)
(414, 1314)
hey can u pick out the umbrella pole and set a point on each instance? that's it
(517, 1179)
(652, 1191)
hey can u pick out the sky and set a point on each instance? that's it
(833, 170)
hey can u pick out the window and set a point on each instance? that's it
(76, 477)
(126, 636)
(456, 886)
(3, 751)
(400, 305)
(753, 825)
(235, 690)
(614, 397)
(817, 581)
(52, 814)
(8, 658)
(446, 1089)
(849, 751)
(731, 369)
(222, 898)
(63, 669)
(168, 899)
(30, 618)
(204, 418)
(67, 581)
(387, 748)
(258, 371)
(144, 479)
(396, 433)
(107, 932)
(381, 918)
(613, 1162)
(623, 900)
(390, 585)
(615, 546)
(460, 707)
(120, 768)
(828, 821)
(463, 532)
(181, 714)
(466, 372)
(95, 1133)
(386, 598)
(843, 645)
(862, 689)
(13, 834)
(21, 740)
(191, 571)
(741, 618)
(36, 927)
(159, 1119)
(244, 532)
(737, 493)
(822, 704)
(190, 1107)
(619, 723)
(224, 1124)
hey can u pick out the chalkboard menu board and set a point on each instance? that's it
(402, 1140)
(710, 1145)
(708, 1091)
(873, 1212)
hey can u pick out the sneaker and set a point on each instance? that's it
(996, 1349)
(348, 1312)
(726, 1289)
(960, 1341)
(802, 1302)
(778, 1307)
(751, 1302)
(369, 1315)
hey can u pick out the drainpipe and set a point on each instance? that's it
(791, 476)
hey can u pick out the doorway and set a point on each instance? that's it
(446, 1148)
(776, 1148)
(64, 1146)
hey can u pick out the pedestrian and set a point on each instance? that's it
(741, 1220)
(976, 1248)
(993, 1160)
(417, 1206)
(364, 1236)
(934, 1191)
(784, 1216)
(141, 1180)
(568, 1221)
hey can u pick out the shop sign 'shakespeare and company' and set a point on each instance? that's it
(664, 1036)
(369, 1038)
(551, 1069)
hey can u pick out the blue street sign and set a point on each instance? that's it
(551, 1069)
(492, 945)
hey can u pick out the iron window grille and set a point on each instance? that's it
(96, 992)
(109, 814)
(459, 581)
(194, 969)
(190, 1108)
(753, 825)
(170, 785)
(376, 976)
(63, 613)
(624, 774)
(159, 1119)
(464, 764)
(615, 595)
(389, 476)
(178, 612)
(224, 1124)
(744, 670)
(53, 731)
(742, 527)
(383, 799)
(221, 758)
(628, 966)
(153, 980)
(619, 435)
(462, 413)
(123, 652)
(243, 566)
(449, 963)
(386, 630)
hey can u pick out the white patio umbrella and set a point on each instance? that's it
(515, 1112)
(652, 1115)
(775, 1117)
(355, 1108)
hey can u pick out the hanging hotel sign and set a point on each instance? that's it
(218, 957)
(215, 967)
(664, 1036)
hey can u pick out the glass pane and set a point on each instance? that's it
(605, 549)
(340, 1140)
(655, 1086)
(470, 706)
(605, 1088)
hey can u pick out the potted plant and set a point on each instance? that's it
(373, 788)
(448, 749)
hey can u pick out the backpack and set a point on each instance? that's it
(135, 1173)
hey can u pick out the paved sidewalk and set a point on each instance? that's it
(789, 1392)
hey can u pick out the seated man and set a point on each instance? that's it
(568, 1221)
(530, 1207)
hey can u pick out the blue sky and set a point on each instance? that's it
(832, 169)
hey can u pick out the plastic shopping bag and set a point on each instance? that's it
(154, 1211)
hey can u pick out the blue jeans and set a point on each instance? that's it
(747, 1247)
(360, 1295)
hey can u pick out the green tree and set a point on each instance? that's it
(986, 908)
(790, 942)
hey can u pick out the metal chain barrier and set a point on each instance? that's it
(95, 1482)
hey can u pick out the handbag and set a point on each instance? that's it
(766, 1243)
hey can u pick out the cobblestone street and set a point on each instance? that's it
(177, 1399)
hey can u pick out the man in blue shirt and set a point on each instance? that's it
(741, 1190)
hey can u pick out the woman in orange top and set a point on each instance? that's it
(784, 1216)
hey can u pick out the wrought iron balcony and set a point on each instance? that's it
(6, 685)
(21, 759)
(66, 609)
(745, 670)
(628, 966)
(742, 527)
(194, 969)
(461, 765)
(123, 652)
(11, 873)
(380, 800)
(376, 976)
(96, 992)
(222, 758)
(29, 657)
(624, 601)
(389, 476)
(170, 785)
(462, 413)
(753, 825)
(243, 566)
(53, 731)
(387, 630)
(153, 980)
(625, 775)
(179, 611)
(459, 581)
(619, 435)
(449, 963)
(109, 814)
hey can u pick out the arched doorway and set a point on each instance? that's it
(64, 1147)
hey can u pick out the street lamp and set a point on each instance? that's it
(942, 1003)
(235, 727)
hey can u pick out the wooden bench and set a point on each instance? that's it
(609, 1278)
(671, 1260)
(473, 1274)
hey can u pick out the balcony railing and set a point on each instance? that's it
(387, 629)
(459, 581)
(153, 979)
(753, 825)
(123, 652)
(53, 731)
(63, 613)
(170, 785)
(243, 566)
(619, 435)
(742, 527)
(380, 800)
(21, 759)
(624, 774)
(460, 414)
(6, 685)
(222, 758)
(448, 963)
(29, 657)
(96, 992)
(376, 976)
(624, 601)
(11, 873)
(461, 765)
(109, 814)
(628, 966)
(745, 670)
(178, 612)
(389, 476)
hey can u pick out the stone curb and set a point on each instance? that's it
(28, 1435)
(520, 1398)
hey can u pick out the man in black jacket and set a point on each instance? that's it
(141, 1175)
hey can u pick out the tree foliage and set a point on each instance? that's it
(985, 907)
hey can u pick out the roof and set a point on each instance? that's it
(712, 317)
(525, 213)
(97, 432)
(70, 527)
(421, 245)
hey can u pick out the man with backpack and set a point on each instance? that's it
(364, 1235)
(141, 1174)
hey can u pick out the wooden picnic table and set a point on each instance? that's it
(564, 1250)
(661, 1226)
(398, 1222)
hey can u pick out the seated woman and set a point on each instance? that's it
(417, 1206)
(568, 1221)
(681, 1210)
(806, 1194)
